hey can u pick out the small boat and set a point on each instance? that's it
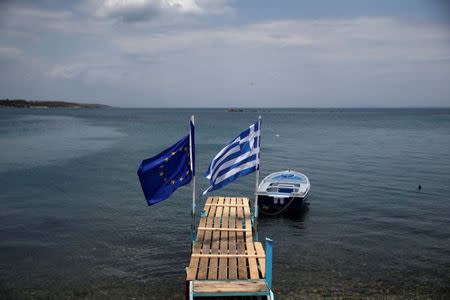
(284, 191)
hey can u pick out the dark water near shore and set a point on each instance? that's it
(74, 223)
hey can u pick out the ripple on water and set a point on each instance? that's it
(37, 140)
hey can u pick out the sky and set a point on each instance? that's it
(227, 53)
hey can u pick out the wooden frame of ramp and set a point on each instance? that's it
(225, 259)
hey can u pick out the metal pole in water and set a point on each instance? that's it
(269, 254)
(255, 210)
(192, 162)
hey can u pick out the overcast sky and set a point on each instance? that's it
(227, 53)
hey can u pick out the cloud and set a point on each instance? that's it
(90, 73)
(31, 22)
(144, 10)
(321, 62)
(298, 62)
(66, 71)
(131, 11)
(358, 39)
(10, 53)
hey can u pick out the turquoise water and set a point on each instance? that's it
(74, 223)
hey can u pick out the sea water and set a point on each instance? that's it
(74, 222)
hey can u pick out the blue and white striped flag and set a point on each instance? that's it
(240, 157)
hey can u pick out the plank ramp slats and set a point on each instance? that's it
(232, 262)
(225, 259)
(223, 262)
(194, 263)
(240, 241)
(219, 286)
(206, 244)
(215, 242)
(253, 266)
(220, 255)
(224, 205)
(261, 261)
(222, 229)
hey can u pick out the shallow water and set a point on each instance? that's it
(74, 222)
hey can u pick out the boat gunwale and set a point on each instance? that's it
(267, 182)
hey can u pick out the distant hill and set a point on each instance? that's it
(21, 103)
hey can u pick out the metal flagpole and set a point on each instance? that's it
(255, 210)
(192, 158)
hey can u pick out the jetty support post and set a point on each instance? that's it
(191, 291)
(269, 254)
(255, 209)
(192, 165)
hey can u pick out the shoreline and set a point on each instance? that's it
(45, 104)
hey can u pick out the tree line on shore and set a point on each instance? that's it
(21, 103)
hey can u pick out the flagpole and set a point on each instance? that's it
(255, 210)
(192, 157)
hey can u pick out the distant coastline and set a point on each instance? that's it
(21, 103)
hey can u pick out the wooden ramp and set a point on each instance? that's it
(225, 259)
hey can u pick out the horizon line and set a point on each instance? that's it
(285, 107)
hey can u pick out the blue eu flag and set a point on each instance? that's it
(162, 174)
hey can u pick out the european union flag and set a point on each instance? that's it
(162, 174)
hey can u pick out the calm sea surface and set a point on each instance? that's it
(74, 222)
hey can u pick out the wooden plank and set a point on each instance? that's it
(227, 201)
(240, 242)
(262, 260)
(224, 229)
(206, 244)
(253, 265)
(222, 286)
(241, 205)
(215, 243)
(220, 255)
(247, 212)
(223, 261)
(193, 265)
(202, 222)
(232, 262)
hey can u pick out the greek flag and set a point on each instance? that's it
(240, 157)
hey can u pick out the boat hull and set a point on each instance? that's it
(274, 205)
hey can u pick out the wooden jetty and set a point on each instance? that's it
(226, 260)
